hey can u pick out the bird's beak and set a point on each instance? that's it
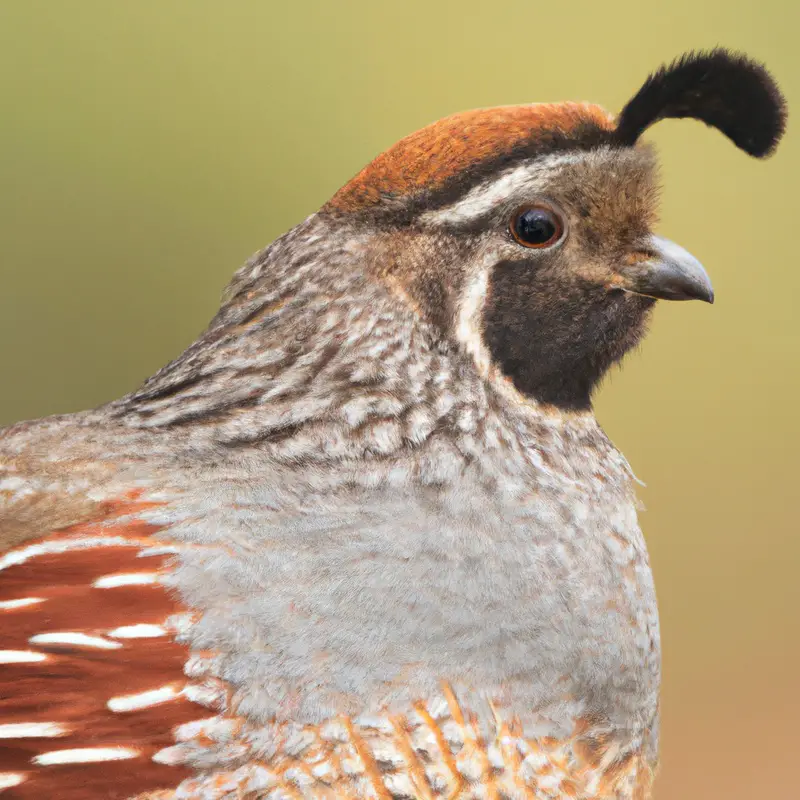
(666, 272)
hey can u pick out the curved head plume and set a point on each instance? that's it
(727, 91)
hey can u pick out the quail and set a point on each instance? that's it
(364, 538)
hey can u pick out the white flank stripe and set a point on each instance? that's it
(85, 755)
(171, 756)
(76, 638)
(181, 623)
(160, 550)
(205, 695)
(217, 728)
(23, 730)
(140, 631)
(9, 779)
(126, 579)
(133, 702)
(21, 657)
(10, 605)
(60, 546)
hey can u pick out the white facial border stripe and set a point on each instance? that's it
(469, 332)
(469, 327)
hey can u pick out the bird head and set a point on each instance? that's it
(524, 234)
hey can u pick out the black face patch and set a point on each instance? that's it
(725, 90)
(556, 338)
(551, 322)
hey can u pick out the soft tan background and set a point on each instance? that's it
(147, 148)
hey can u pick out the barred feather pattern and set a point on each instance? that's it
(435, 750)
(92, 702)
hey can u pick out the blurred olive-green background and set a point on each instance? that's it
(147, 148)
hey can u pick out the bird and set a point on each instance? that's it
(365, 537)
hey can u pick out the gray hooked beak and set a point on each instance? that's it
(670, 273)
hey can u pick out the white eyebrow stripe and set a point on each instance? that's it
(32, 730)
(74, 638)
(468, 329)
(488, 195)
(85, 755)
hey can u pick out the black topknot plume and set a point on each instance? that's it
(725, 90)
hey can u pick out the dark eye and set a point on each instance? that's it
(536, 226)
